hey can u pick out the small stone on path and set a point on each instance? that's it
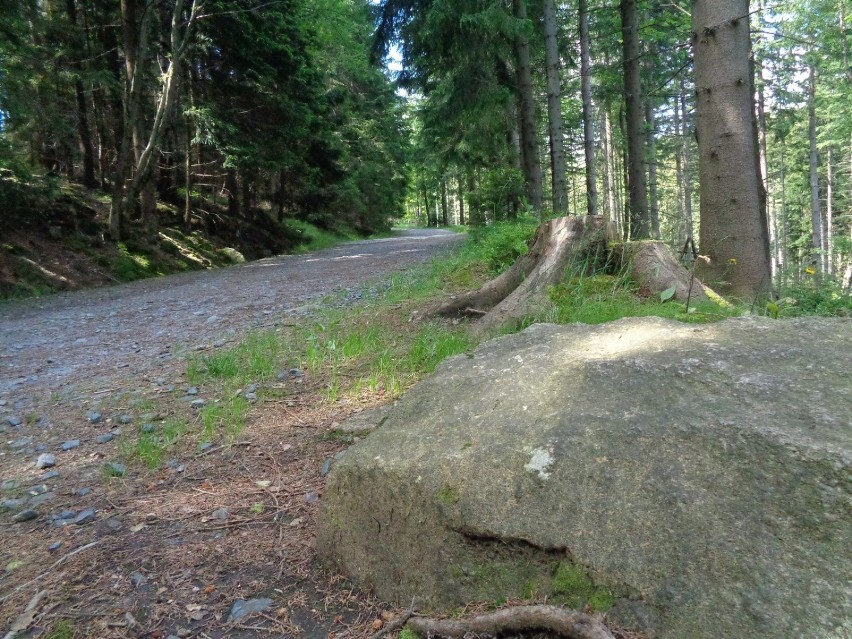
(192, 390)
(241, 607)
(326, 468)
(137, 579)
(125, 419)
(105, 438)
(9, 484)
(197, 403)
(38, 500)
(205, 446)
(25, 515)
(114, 469)
(71, 444)
(67, 514)
(20, 443)
(51, 474)
(84, 491)
(85, 516)
(311, 498)
(94, 417)
(45, 460)
(221, 514)
(12, 504)
(147, 428)
(113, 524)
(14, 422)
(56, 545)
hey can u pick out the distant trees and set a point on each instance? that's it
(635, 107)
(205, 105)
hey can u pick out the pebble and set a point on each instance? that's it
(38, 500)
(252, 388)
(241, 607)
(170, 388)
(94, 417)
(21, 443)
(113, 525)
(38, 490)
(9, 484)
(40, 448)
(116, 432)
(251, 396)
(14, 422)
(25, 515)
(326, 467)
(114, 469)
(197, 403)
(84, 491)
(147, 428)
(51, 474)
(205, 446)
(137, 579)
(295, 372)
(71, 444)
(105, 438)
(85, 516)
(67, 514)
(192, 390)
(221, 513)
(282, 376)
(45, 460)
(149, 417)
(56, 545)
(125, 419)
(311, 498)
(3, 402)
(12, 504)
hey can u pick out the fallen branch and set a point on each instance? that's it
(567, 623)
(26, 618)
(396, 624)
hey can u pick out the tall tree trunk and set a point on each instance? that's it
(817, 230)
(82, 108)
(782, 251)
(687, 165)
(683, 233)
(640, 227)
(460, 181)
(554, 109)
(734, 234)
(586, 92)
(764, 162)
(528, 128)
(829, 213)
(845, 41)
(612, 213)
(653, 196)
(445, 209)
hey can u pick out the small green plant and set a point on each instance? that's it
(448, 495)
(150, 448)
(408, 633)
(227, 417)
(62, 629)
(433, 345)
(575, 589)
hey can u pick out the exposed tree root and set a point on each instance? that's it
(577, 242)
(566, 623)
(583, 245)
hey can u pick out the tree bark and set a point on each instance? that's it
(586, 93)
(817, 230)
(82, 110)
(528, 128)
(445, 209)
(653, 196)
(612, 211)
(640, 227)
(687, 165)
(461, 199)
(829, 214)
(734, 234)
(554, 110)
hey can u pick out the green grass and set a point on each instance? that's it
(62, 629)
(150, 448)
(227, 418)
(256, 358)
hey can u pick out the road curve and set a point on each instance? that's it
(81, 340)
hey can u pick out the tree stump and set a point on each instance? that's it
(581, 244)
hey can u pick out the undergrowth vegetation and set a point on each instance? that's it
(373, 352)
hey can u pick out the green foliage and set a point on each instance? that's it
(433, 345)
(62, 629)
(574, 588)
(499, 245)
(408, 633)
(813, 297)
(603, 298)
(227, 417)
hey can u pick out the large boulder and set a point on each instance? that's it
(699, 472)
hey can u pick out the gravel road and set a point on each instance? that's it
(75, 342)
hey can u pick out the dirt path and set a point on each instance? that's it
(94, 337)
(168, 552)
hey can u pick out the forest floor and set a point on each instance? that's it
(124, 542)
